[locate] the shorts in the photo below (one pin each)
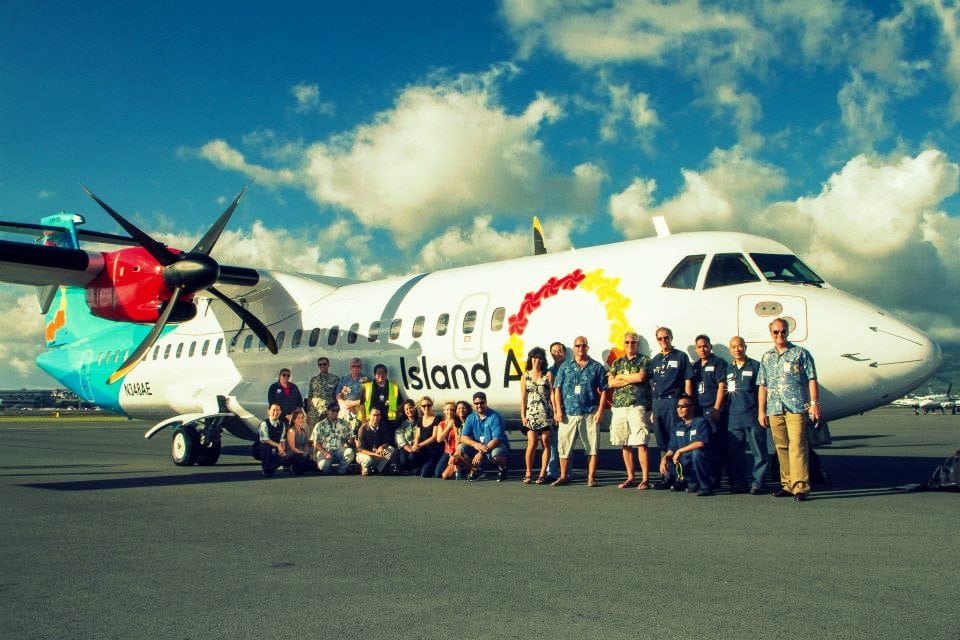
(630, 427)
(586, 427)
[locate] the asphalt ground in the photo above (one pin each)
(104, 538)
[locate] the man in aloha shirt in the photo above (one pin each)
(579, 400)
(788, 392)
(629, 377)
(323, 390)
(333, 440)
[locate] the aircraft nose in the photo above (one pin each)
(904, 356)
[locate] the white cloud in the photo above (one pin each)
(480, 242)
(308, 99)
(222, 155)
(22, 339)
(721, 197)
(863, 109)
(630, 107)
(948, 16)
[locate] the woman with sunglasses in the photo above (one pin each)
(428, 449)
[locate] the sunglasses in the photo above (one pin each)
(663, 338)
(777, 332)
(284, 375)
(425, 406)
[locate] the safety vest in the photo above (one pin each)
(393, 392)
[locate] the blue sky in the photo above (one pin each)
(393, 137)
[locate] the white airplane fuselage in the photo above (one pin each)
(864, 357)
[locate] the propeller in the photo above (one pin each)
(184, 274)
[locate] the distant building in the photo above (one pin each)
(39, 399)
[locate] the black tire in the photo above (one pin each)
(185, 447)
(209, 455)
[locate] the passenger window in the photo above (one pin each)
(279, 339)
(496, 322)
(205, 348)
(374, 331)
(233, 343)
(126, 354)
(727, 269)
(442, 322)
(352, 334)
(247, 343)
(219, 346)
(395, 328)
(333, 335)
(418, 326)
(179, 351)
(262, 345)
(166, 352)
(314, 337)
(297, 337)
(469, 322)
(156, 352)
(684, 275)
(193, 349)
(101, 358)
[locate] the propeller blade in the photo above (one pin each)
(255, 325)
(147, 343)
(205, 246)
(154, 248)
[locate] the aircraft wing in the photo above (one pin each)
(40, 265)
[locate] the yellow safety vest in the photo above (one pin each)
(393, 392)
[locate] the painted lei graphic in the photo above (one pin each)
(605, 289)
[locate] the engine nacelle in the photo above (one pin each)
(131, 289)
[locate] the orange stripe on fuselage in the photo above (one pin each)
(59, 319)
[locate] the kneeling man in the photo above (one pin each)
(688, 448)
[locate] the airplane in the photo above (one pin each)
(930, 402)
(220, 333)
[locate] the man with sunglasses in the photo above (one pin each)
(579, 400)
(285, 393)
(484, 437)
(322, 391)
(689, 448)
(671, 375)
(788, 392)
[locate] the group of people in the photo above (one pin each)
(367, 424)
(703, 415)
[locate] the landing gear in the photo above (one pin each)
(192, 445)
(209, 454)
(185, 447)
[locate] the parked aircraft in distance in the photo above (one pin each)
(153, 332)
(930, 402)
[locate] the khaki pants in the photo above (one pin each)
(790, 438)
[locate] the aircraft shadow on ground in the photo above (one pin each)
(852, 476)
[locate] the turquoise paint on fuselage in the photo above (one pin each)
(72, 358)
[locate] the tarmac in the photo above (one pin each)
(103, 537)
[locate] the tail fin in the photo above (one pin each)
(67, 237)
(538, 247)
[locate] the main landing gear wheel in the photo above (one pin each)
(209, 455)
(185, 448)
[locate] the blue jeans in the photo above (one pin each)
(553, 465)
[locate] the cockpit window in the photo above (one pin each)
(785, 268)
(684, 275)
(727, 269)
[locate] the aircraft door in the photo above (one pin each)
(86, 389)
(755, 312)
(468, 327)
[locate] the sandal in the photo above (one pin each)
(542, 480)
(626, 484)
(526, 479)
(643, 486)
